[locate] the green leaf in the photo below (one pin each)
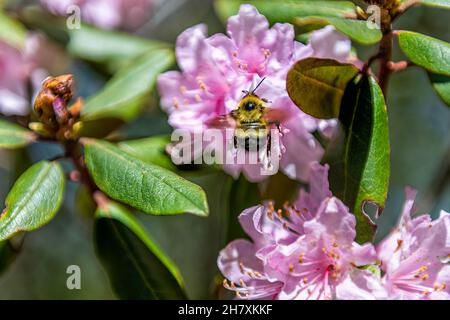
(33, 200)
(357, 30)
(125, 94)
(137, 268)
(144, 186)
(151, 150)
(13, 136)
(317, 85)
(108, 47)
(444, 4)
(441, 85)
(286, 10)
(427, 52)
(359, 165)
(12, 31)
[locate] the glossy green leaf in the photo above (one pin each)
(12, 31)
(441, 85)
(357, 30)
(151, 150)
(317, 85)
(136, 266)
(125, 94)
(13, 136)
(286, 10)
(142, 185)
(359, 159)
(33, 200)
(108, 47)
(427, 52)
(444, 4)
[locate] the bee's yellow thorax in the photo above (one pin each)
(250, 112)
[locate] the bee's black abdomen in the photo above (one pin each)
(250, 143)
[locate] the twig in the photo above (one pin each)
(399, 66)
(73, 152)
(386, 54)
(369, 62)
(101, 199)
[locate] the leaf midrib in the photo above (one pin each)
(321, 82)
(136, 165)
(347, 146)
(22, 203)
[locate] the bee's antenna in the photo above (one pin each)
(253, 91)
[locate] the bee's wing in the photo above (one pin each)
(277, 115)
(221, 122)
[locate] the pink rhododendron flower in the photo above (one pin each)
(106, 14)
(415, 255)
(13, 77)
(215, 70)
(304, 252)
(21, 68)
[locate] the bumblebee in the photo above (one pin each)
(252, 121)
(252, 126)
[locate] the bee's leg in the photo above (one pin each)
(269, 148)
(277, 124)
(235, 142)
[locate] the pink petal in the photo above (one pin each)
(191, 48)
(236, 252)
(329, 43)
(319, 189)
(360, 285)
(363, 254)
(248, 27)
(334, 219)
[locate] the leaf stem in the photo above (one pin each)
(81, 173)
(73, 152)
(399, 66)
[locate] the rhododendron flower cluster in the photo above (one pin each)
(307, 251)
(12, 81)
(215, 70)
(415, 255)
(107, 14)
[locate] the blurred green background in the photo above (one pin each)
(420, 144)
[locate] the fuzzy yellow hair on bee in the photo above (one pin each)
(250, 117)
